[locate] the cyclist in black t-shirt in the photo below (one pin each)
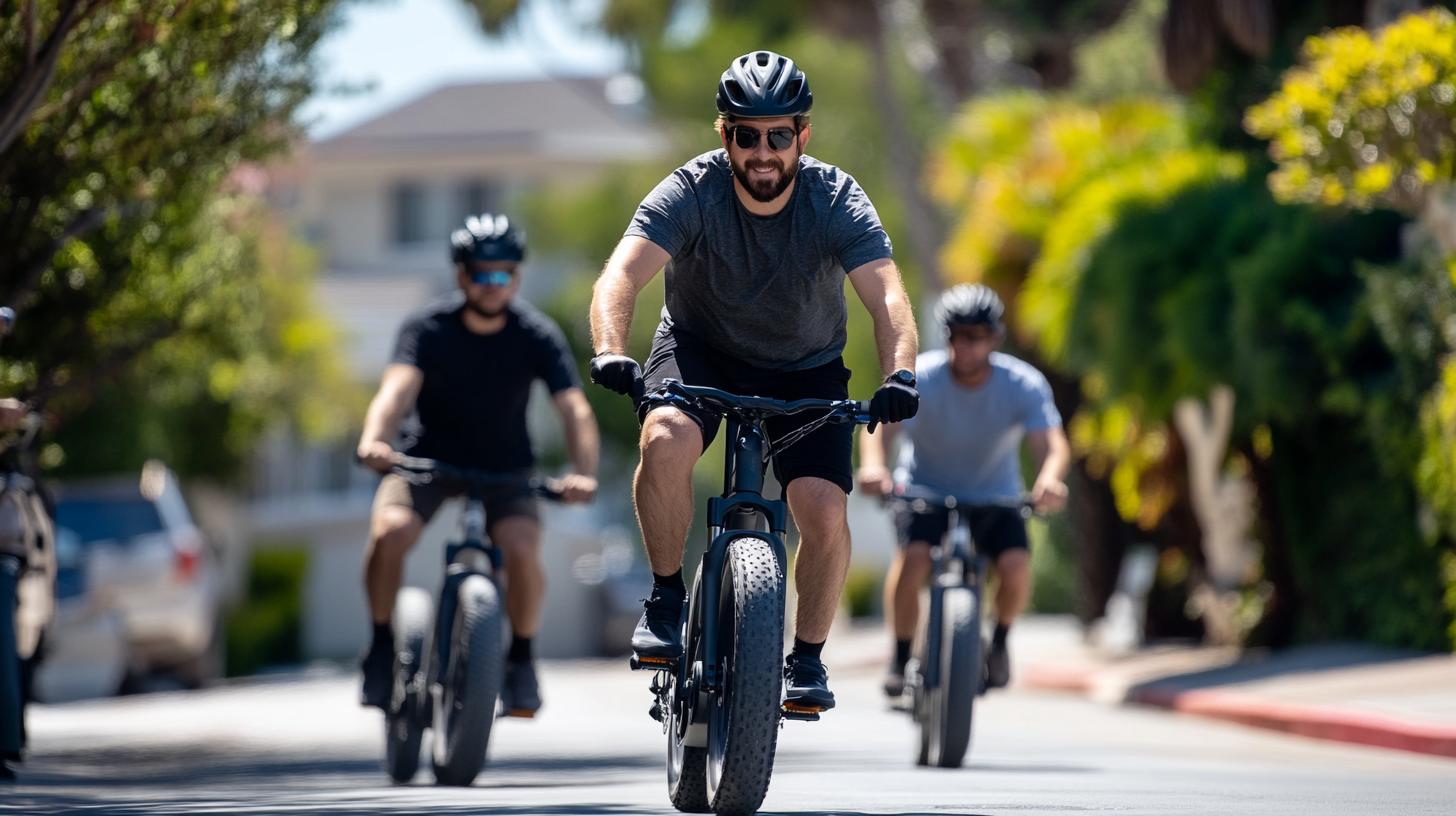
(466, 368)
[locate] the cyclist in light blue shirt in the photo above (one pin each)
(977, 405)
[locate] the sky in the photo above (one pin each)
(400, 49)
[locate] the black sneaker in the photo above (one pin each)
(658, 638)
(998, 666)
(378, 666)
(806, 684)
(894, 685)
(520, 693)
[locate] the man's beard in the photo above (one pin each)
(482, 311)
(766, 190)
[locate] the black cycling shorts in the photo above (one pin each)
(425, 499)
(995, 529)
(825, 453)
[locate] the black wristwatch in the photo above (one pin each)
(903, 376)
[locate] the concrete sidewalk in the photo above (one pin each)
(1352, 693)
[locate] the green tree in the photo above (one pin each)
(1369, 119)
(119, 121)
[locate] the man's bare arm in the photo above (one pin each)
(634, 262)
(880, 288)
(398, 389)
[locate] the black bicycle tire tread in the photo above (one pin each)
(962, 649)
(758, 586)
(465, 750)
(691, 793)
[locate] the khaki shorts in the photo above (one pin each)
(425, 499)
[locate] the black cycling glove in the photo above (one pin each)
(617, 372)
(893, 402)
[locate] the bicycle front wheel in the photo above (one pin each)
(743, 718)
(947, 715)
(465, 706)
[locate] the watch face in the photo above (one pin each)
(903, 377)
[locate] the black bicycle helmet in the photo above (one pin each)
(763, 84)
(487, 237)
(969, 304)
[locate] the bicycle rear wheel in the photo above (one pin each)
(687, 765)
(403, 723)
(464, 710)
(743, 718)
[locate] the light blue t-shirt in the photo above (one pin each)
(965, 442)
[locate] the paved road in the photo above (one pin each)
(295, 745)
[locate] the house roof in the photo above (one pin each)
(528, 116)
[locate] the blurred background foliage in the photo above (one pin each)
(1170, 194)
(1090, 161)
(132, 257)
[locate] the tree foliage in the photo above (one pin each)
(251, 353)
(1366, 119)
(119, 121)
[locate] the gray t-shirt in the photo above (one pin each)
(767, 290)
(966, 442)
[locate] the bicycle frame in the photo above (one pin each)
(473, 554)
(957, 548)
(730, 516)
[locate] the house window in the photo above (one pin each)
(476, 196)
(407, 212)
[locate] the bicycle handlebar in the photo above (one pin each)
(419, 470)
(856, 411)
(1024, 506)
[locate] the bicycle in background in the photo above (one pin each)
(947, 669)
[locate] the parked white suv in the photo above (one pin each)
(144, 557)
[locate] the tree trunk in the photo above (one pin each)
(923, 225)
(1276, 626)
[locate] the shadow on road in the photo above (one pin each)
(188, 778)
(861, 813)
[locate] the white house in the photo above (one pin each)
(379, 201)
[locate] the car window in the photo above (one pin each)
(101, 519)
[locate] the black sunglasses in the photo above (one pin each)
(747, 138)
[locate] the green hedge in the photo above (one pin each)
(264, 630)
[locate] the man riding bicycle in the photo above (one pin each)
(466, 367)
(757, 239)
(977, 405)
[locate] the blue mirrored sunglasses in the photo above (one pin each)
(495, 277)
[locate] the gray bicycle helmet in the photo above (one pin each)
(970, 304)
(763, 84)
(487, 237)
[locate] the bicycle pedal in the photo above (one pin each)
(794, 711)
(651, 663)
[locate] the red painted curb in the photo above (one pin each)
(1057, 678)
(1307, 721)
